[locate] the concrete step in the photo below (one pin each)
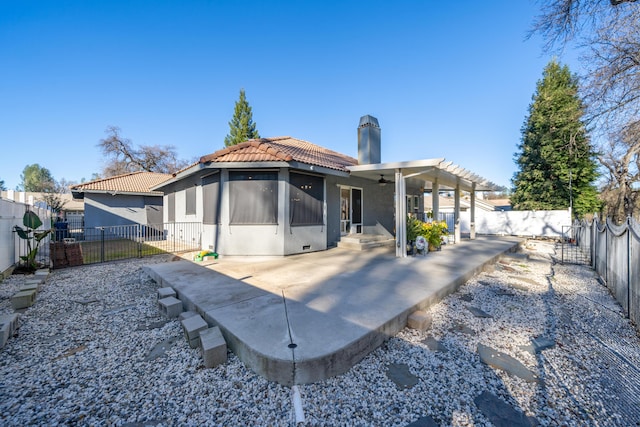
(363, 242)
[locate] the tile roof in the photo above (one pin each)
(134, 182)
(281, 149)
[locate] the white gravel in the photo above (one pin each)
(79, 358)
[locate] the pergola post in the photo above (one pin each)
(401, 215)
(435, 199)
(456, 213)
(472, 219)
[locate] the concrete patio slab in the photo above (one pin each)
(305, 318)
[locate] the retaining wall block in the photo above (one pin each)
(192, 327)
(214, 347)
(8, 327)
(170, 307)
(166, 292)
(420, 320)
(23, 299)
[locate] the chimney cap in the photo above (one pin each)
(368, 120)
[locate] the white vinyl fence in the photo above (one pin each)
(11, 214)
(517, 223)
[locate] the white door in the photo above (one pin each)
(350, 211)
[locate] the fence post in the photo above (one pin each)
(140, 241)
(101, 244)
(629, 266)
(606, 252)
(594, 243)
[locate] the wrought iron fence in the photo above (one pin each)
(575, 245)
(78, 246)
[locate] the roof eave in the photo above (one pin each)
(318, 169)
(81, 193)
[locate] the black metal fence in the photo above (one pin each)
(448, 217)
(575, 245)
(79, 245)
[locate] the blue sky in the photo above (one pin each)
(444, 79)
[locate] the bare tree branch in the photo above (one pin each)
(122, 157)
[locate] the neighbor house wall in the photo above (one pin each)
(107, 210)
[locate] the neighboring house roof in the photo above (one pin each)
(282, 149)
(129, 183)
(449, 203)
(500, 204)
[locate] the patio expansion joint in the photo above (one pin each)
(292, 345)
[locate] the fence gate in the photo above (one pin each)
(576, 245)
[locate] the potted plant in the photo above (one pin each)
(414, 229)
(31, 221)
(433, 232)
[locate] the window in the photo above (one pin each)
(190, 195)
(171, 207)
(211, 199)
(253, 197)
(306, 199)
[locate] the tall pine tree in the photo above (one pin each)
(241, 126)
(556, 159)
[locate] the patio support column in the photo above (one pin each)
(472, 219)
(456, 214)
(435, 199)
(401, 215)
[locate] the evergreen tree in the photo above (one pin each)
(241, 126)
(556, 159)
(38, 179)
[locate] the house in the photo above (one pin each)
(447, 203)
(121, 200)
(501, 204)
(283, 196)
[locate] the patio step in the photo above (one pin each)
(362, 242)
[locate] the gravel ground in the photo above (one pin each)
(82, 356)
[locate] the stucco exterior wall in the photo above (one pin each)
(210, 237)
(282, 238)
(180, 200)
(226, 239)
(378, 206)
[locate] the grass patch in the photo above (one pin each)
(110, 250)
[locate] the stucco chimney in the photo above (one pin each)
(368, 141)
